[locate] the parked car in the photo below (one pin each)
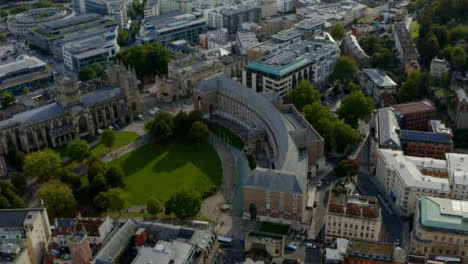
(154, 111)
(141, 117)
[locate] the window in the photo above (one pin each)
(281, 202)
(268, 200)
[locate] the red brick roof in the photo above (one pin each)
(353, 209)
(335, 208)
(414, 107)
(369, 212)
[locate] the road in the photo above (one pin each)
(394, 228)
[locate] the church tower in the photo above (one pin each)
(67, 90)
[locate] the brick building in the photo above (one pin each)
(415, 115)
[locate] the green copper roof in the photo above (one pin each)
(433, 216)
(278, 70)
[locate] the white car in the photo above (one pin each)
(141, 117)
(154, 111)
(319, 184)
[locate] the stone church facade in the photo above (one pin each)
(74, 115)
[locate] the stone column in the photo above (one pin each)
(36, 141)
(13, 139)
(44, 136)
(111, 110)
(103, 113)
(24, 142)
(4, 144)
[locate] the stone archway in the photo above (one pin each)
(83, 125)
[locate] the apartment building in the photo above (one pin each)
(283, 69)
(440, 228)
(27, 228)
(231, 17)
(404, 179)
(407, 52)
(353, 217)
(112, 9)
(439, 67)
(376, 84)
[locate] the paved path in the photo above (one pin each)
(114, 154)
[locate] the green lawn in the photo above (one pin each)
(122, 138)
(160, 170)
(414, 30)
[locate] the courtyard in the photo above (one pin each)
(158, 171)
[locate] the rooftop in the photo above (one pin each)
(444, 215)
(424, 136)
(22, 63)
(387, 128)
(379, 77)
(17, 217)
(414, 107)
(371, 250)
(175, 252)
(294, 56)
(407, 169)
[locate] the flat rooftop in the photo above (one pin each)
(414, 107)
(370, 250)
(26, 62)
(444, 215)
(379, 77)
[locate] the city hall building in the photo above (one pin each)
(288, 150)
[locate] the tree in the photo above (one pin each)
(115, 176)
(344, 135)
(97, 68)
(86, 74)
(16, 158)
(10, 193)
(303, 94)
(112, 200)
(337, 31)
(415, 87)
(3, 37)
(429, 47)
(107, 138)
(78, 150)
(148, 60)
(19, 181)
(4, 203)
(98, 184)
(184, 204)
(458, 58)
(346, 169)
(95, 167)
(382, 59)
(442, 35)
(345, 68)
(7, 99)
(154, 206)
(42, 164)
(124, 37)
(354, 107)
(58, 199)
(371, 44)
(182, 124)
(195, 115)
(253, 211)
(161, 128)
(199, 131)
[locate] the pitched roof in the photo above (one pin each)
(273, 180)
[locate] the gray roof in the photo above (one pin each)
(274, 180)
(54, 110)
(12, 218)
(25, 63)
(387, 126)
(117, 242)
(379, 77)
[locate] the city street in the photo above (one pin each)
(394, 228)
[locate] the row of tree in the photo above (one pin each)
(337, 134)
(91, 72)
(148, 60)
(165, 126)
(442, 29)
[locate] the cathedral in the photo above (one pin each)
(74, 115)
